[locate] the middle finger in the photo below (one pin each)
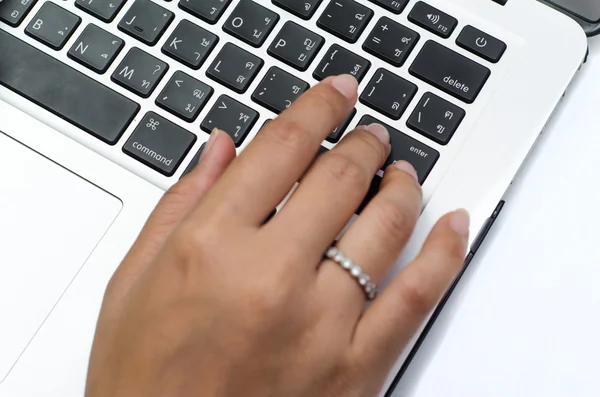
(332, 190)
(270, 166)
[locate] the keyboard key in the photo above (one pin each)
(436, 118)
(146, 21)
(450, 72)
(391, 41)
(208, 10)
(296, 46)
(482, 44)
(139, 72)
(184, 96)
(194, 162)
(432, 19)
(190, 44)
(12, 12)
(395, 6)
(421, 156)
(337, 134)
(251, 22)
(52, 25)
(232, 117)
(339, 60)
(105, 10)
(96, 48)
(235, 68)
(62, 90)
(388, 94)
(279, 90)
(159, 144)
(346, 19)
(303, 9)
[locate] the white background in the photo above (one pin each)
(526, 319)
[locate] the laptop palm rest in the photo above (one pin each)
(50, 222)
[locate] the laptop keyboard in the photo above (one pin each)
(260, 59)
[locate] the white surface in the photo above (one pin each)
(55, 361)
(526, 319)
(46, 235)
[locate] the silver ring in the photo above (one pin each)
(363, 280)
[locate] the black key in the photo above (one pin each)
(139, 72)
(373, 190)
(251, 22)
(337, 134)
(395, 6)
(346, 19)
(479, 43)
(296, 46)
(194, 162)
(208, 10)
(391, 41)
(105, 10)
(388, 94)
(232, 117)
(96, 48)
(432, 19)
(304, 9)
(278, 90)
(159, 143)
(146, 21)
(12, 12)
(450, 72)
(52, 25)
(235, 68)
(436, 118)
(190, 44)
(339, 60)
(421, 156)
(62, 90)
(184, 96)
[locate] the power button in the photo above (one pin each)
(481, 44)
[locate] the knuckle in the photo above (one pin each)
(419, 298)
(371, 143)
(289, 134)
(329, 99)
(344, 171)
(393, 219)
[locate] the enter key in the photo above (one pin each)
(421, 156)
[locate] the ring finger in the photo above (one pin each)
(376, 238)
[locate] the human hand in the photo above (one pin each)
(211, 301)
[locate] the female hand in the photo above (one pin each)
(213, 302)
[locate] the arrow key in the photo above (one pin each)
(232, 117)
(184, 96)
(96, 48)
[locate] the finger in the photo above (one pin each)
(376, 238)
(392, 320)
(332, 190)
(270, 166)
(177, 202)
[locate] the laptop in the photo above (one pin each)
(105, 104)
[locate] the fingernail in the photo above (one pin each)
(378, 130)
(210, 142)
(459, 222)
(346, 85)
(408, 168)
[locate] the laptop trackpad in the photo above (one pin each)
(50, 222)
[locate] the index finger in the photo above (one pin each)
(270, 166)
